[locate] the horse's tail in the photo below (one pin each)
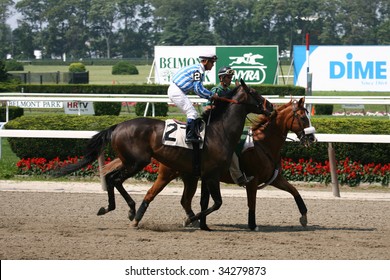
(94, 148)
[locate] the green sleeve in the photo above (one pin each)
(217, 90)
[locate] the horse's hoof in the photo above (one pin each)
(194, 224)
(205, 227)
(186, 222)
(101, 211)
(189, 222)
(135, 224)
(131, 215)
(303, 221)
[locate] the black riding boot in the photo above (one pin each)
(191, 136)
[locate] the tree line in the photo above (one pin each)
(131, 28)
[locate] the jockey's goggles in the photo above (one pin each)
(227, 72)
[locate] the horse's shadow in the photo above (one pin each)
(297, 228)
(244, 228)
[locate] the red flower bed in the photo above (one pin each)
(348, 172)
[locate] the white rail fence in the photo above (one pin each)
(151, 99)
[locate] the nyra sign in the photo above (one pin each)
(346, 68)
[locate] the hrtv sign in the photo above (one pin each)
(346, 68)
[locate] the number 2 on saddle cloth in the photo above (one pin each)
(175, 134)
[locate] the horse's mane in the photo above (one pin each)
(261, 123)
(219, 107)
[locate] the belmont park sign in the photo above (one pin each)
(254, 64)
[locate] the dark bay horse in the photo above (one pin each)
(262, 161)
(136, 141)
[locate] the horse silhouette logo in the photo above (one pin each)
(248, 68)
(247, 58)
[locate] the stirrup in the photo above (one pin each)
(193, 140)
(243, 180)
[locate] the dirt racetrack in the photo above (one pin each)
(49, 220)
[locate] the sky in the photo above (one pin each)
(12, 21)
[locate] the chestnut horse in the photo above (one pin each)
(138, 140)
(262, 160)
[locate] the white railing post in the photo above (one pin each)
(333, 170)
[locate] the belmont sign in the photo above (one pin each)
(36, 104)
(254, 64)
(347, 68)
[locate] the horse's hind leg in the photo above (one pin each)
(165, 175)
(281, 183)
(111, 199)
(115, 179)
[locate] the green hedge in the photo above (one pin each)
(281, 90)
(160, 109)
(51, 148)
(124, 68)
(135, 61)
(107, 108)
(9, 87)
(13, 65)
(77, 67)
(365, 153)
(13, 113)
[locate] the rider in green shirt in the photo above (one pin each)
(225, 75)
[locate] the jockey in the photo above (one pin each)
(191, 78)
(225, 75)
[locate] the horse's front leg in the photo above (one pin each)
(251, 192)
(215, 192)
(190, 186)
(204, 204)
(282, 184)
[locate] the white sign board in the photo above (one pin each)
(79, 108)
(343, 68)
(36, 104)
(169, 59)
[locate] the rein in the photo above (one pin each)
(223, 99)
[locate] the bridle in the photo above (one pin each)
(305, 133)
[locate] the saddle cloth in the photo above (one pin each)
(175, 134)
(246, 141)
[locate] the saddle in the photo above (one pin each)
(175, 133)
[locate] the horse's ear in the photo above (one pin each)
(301, 102)
(242, 82)
(237, 83)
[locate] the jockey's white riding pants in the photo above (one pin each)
(182, 101)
